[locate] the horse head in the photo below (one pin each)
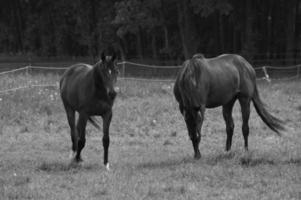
(108, 71)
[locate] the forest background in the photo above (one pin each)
(152, 30)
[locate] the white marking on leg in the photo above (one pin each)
(108, 166)
(72, 154)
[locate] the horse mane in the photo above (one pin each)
(98, 63)
(96, 73)
(189, 79)
(195, 66)
(198, 55)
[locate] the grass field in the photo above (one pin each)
(151, 155)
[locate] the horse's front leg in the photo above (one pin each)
(199, 122)
(107, 117)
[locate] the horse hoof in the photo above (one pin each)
(228, 148)
(108, 167)
(76, 160)
(197, 156)
(79, 160)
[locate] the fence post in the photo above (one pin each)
(27, 71)
(27, 75)
(123, 69)
(122, 76)
(267, 77)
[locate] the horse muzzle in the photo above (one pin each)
(112, 94)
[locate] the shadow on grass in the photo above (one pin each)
(166, 164)
(214, 160)
(245, 161)
(296, 161)
(63, 167)
(209, 160)
(253, 162)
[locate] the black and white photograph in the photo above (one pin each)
(150, 99)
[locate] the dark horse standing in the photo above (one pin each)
(89, 90)
(208, 83)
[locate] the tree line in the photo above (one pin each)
(152, 29)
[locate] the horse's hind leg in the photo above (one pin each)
(71, 121)
(245, 110)
(227, 114)
(81, 128)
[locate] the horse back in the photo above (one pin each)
(232, 65)
(214, 81)
(233, 62)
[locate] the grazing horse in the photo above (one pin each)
(89, 90)
(208, 83)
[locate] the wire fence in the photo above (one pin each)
(130, 71)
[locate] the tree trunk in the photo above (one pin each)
(139, 44)
(122, 48)
(221, 32)
(298, 33)
(234, 39)
(52, 45)
(248, 43)
(18, 25)
(166, 47)
(269, 30)
(165, 37)
(94, 38)
(188, 29)
(290, 30)
(154, 47)
(232, 32)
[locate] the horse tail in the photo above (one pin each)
(93, 121)
(271, 121)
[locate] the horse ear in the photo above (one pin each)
(103, 57)
(113, 57)
(197, 108)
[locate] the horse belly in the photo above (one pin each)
(222, 93)
(97, 107)
(219, 100)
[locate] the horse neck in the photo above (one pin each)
(192, 72)
(98, 81)
(192, 67)
(198, 66)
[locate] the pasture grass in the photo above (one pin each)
(151, 155)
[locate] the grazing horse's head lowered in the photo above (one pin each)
(208, 83)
